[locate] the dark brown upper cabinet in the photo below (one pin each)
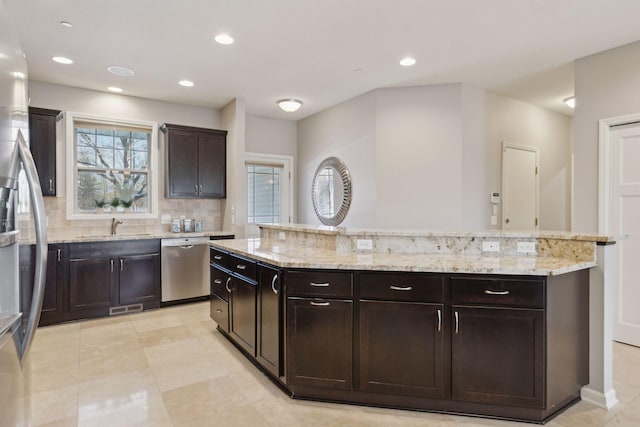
(196, 162)
(42, 136)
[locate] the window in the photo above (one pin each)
(263, 194)
(113, 167)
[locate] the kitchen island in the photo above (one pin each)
(415, 320)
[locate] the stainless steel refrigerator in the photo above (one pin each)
(17, 171)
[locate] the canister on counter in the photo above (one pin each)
(197, 225)
(175, 225)
(188, 225)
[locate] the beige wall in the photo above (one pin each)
(428, 157)
(607, 85)
(271, 136)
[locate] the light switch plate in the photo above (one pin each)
(526, 247)
(166, 219)
(364, 244)
(282, 235)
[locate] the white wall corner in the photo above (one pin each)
(603, 400)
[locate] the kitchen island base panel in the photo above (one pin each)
(378, 400)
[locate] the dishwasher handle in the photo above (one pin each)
(186, 246)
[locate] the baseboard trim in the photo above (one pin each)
(604, 400)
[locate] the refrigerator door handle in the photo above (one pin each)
(37, 205)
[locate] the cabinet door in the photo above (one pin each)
(269, 315)
(182, 161)
(497, 356)
(401, 348)
(139, 279)
(53, 309)
(219, 312)
(319, 342)
(212, 161)
(242, 301)
(90, 284)
(42, 140)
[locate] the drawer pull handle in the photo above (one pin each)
(490, 292)
(218, 310)
(323, 304)
(217, 257)
(319, 285)
(241, 267)
(121, 264)
(217, 282)
(226, 285)
(111, 263)
(273, 284)
(455, 315)
(59, 254)
(400, 288)
(439, 320)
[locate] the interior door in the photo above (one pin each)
(625, 219)
(519, 187)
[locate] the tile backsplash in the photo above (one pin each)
(209, 210)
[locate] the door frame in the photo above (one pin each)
(271, 159)
(604, 168)
(536, 151)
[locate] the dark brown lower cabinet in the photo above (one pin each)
(242, 313)
(320, 342)
(498, 356)
(401, 348)
(90, 285)
(139, 279)
(53, 302)
(268, 322)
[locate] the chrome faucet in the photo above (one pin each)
(114, 226)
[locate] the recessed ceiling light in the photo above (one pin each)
(62, 60)
(66, 24)
(289, 105)
(18, 74)
(185, 83)
(114, 89)
(407, 62)
(570, 101)
(223, 38)
(120, 71)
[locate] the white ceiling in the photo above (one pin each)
(311, 49)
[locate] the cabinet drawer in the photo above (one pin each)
(218, 283)
(243, 266)
(507, 292)
(402, 287)
(319, 284)
(218, 257)
(219, 312)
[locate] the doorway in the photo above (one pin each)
(268, 191)
(623, 156)
(519, 187)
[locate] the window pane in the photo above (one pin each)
(105, 141)
(263, 194)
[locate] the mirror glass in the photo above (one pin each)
(331, 191)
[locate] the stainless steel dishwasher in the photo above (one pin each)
(185, 268)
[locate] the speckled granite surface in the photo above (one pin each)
(69, 237)
(289, 255)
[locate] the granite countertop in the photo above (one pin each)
(70, 238)
(296, 256)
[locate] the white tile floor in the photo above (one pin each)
(169, 367)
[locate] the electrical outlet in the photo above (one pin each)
(526, 247)
(282, 235)
(166, 219)
(490, 246)
(364, 244)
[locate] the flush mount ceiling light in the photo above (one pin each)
(407, 62)
(223, 38)
(62, 60)
(185, 83)
(120, 71)
(66, 24)
(289, 105)
(115, 89)
(570, 101)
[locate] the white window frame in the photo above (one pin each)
(72, 169)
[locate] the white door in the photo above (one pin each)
(268, 191)
(519, 187)
(625, 219)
